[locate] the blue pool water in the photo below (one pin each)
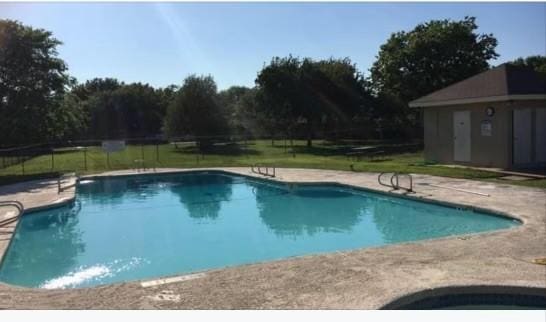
(139, 227)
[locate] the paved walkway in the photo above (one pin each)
(366, 279)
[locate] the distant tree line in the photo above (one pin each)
(292, 98)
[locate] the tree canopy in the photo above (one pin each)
(537, 62)
(195, 111)
(414, 63)
(433, 55)
(128, 111)
(293, 97)
(305, 96)
(33, 81)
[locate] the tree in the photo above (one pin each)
(166, 96)
(246, 117)
(307, 97)
(73, 117)
(128, 111)
(230, 101)
(537, 63)
(33, 82)
(96, 85)
(346, 97)
(278, 95)
(431, 56)
(195, 111)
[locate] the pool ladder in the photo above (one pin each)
(12, 203)
(394, 181)
(258, 169)
(61, 180)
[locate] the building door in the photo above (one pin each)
(540, 135)
(461, 136)
(522, 136)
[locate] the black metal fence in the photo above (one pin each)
(90, 155)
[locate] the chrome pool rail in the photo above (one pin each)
(61, 179)
(12, 203)
(395, 182)
(258, 169)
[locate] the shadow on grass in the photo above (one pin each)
(318, 150)
(379, 160)
(344, 148)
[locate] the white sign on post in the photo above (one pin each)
(113, 146)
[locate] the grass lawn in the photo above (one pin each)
(322, 155)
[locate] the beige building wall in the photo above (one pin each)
(490, 151)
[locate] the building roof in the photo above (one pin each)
(502, 83)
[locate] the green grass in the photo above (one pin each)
(321, 156)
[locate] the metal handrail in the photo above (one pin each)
(12, 203)
(383, 184)
(266, 173)
(410, 189)
(61, 178)
(395, 182)
(394, 185)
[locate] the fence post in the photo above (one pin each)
(52, 159)
(157, 151)
(23, 165)
(85, 158)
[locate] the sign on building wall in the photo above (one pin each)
(486, 128)
(113, 146)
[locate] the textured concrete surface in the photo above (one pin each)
(33, 195)
(365, 279)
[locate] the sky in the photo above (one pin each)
(162, 43)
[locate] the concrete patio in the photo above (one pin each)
(361, 279)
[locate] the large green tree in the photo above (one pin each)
(537, 63)
(346, 99)
(278, 95)
(196, 112)
(307, 97)
(96, 85)
(431, 56)
(128, 111)
(33, 83)
(231, 102)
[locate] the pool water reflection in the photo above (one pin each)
(138, 227)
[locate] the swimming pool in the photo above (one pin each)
(138, 227)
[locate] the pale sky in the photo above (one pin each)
(162, 43)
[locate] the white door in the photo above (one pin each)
(461, 136)
(522, 136)
(540, 135)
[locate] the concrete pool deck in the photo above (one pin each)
(367, 278)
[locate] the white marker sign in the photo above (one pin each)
(113, 146)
